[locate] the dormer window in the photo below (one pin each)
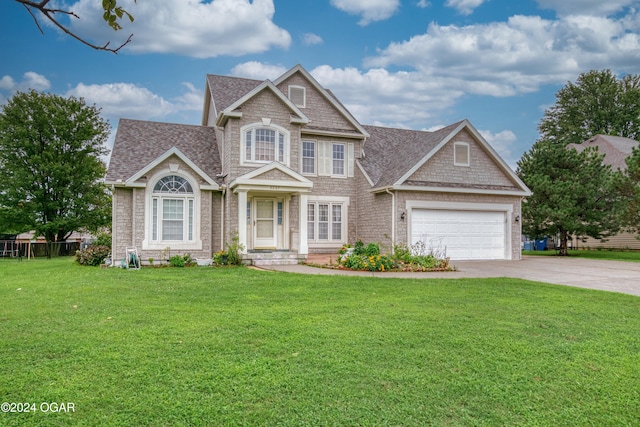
(298, 95)
(265, 144)
(461, 155)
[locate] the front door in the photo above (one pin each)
(264, 226)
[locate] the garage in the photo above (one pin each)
(465, 234)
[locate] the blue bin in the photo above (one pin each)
(541, 244)
(529, 245)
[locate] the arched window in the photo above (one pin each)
(173, 184)
(172, 206)
(265, 144)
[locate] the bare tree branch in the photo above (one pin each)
(50, 13)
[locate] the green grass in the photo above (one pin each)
(235, 346)
(605, 254)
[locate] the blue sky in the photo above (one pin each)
(414, 64)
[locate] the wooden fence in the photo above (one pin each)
(16, 249)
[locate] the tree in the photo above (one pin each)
(112, 14)
(572, 193)
(628, 185)
(50, 166)
(598, 103)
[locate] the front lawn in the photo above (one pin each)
(235, 346)
(605, 254)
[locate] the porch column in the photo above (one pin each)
(304, 245)
(242, 220)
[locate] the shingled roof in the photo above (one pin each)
(390, 153)
(139, 143)
(615, 149)
(226, 90)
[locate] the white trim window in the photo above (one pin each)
(335, 159)
(172, 210)
(309, 158)
(461, 155)
(326, 222)
(265, 144)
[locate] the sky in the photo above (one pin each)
(417, 64)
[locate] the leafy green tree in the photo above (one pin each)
(597, 103)
(572, 193)
(628, 185)
(575, 193)
(50, 166)
(112, 15)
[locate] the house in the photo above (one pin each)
(286, 169)
(616, 149)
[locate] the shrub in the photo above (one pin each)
(103, 239)
(92, 255)
(234, 251)
(181, 261)
(176, 261)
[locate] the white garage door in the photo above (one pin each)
(464, 234)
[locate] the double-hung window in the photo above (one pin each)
(328, 158)
(172, 210)
(264, 145)
(337, 157)
(325, 222)
(309, 157)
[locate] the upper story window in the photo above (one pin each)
(265, 144)
(461, 156)
(298, 95)
(327, 158)
(309, 157)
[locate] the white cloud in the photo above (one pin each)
(7, 83)
(423, 4)
(192, 100)
(503, 142)
(30, 80)
(124, 100)
(587, 7)
(517, 56)
(309, 39)
(192, 28)
(465, 7)
(384, 98)
(369, 10)
(258, 71)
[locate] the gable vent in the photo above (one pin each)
(297, 95)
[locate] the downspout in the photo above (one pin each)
(224, 192)
(113, 223)
(393, 217)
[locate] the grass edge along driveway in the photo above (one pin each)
(234, 346)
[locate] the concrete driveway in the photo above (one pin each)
(614, 276)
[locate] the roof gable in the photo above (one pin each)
(395, 158)
(272, 175)
(326, 96)
(616, 149)
(139, 144)
(174, 151)
(233, 110)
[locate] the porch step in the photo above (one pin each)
(272, 258)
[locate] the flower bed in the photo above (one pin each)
(413, 258)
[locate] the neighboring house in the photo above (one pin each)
(616, 149)
(284, 167)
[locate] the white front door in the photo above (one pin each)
(264, 226)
